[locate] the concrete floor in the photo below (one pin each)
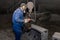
(7, 34)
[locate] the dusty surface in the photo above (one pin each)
(6, 34)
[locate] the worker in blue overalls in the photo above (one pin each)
(18, 21)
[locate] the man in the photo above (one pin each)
(18, 20)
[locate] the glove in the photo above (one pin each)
(27, 20)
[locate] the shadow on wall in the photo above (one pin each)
(5, 21)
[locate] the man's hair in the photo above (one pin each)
(23, 4)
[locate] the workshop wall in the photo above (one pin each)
(7, 4)
(48, 5)
(42, 5)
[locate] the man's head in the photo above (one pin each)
(23, 6)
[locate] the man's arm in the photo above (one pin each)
(17, 17)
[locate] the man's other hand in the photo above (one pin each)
(27, 20)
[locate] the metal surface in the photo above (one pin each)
(33, 35)
(56, 36)
(43, 31)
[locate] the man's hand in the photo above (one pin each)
(27, 20)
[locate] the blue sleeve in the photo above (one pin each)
(19, 17)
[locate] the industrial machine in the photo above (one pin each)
(30, 6)
(34, 32)
(30, 15)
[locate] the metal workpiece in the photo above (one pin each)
(56, 36)
(41, 30)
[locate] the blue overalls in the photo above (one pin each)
(17, 20)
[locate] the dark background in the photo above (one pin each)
(7, 8)
(43, 5)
